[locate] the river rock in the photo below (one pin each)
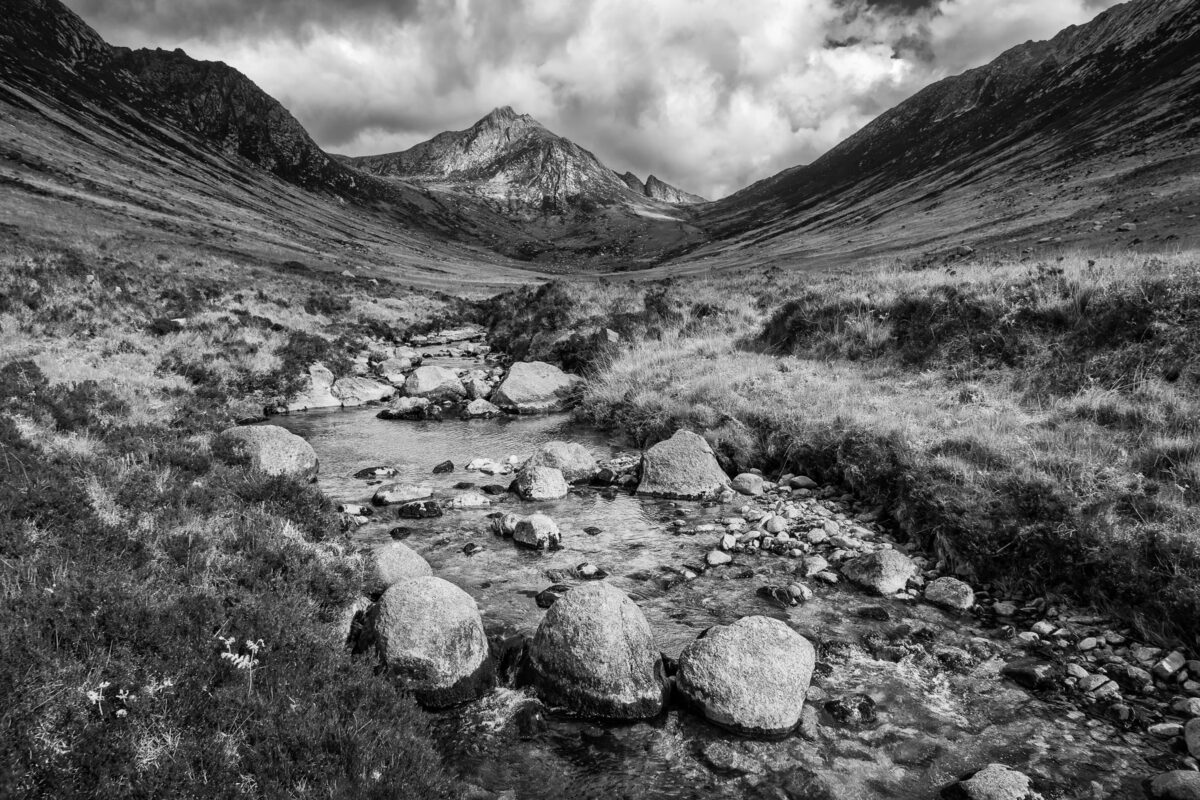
(469, 500)
(506, 525)
(573, 460)
(750, 677)
(883, 572)
(355, 391)
(1180, 784)
(541, 483)
(419, 509)
(535, 387)
(950, 593)
(476, 384)
(396, 561)
(993, 782)
(537, 531)
(429, 634)
(1191, 736)
(594, 654)
(410, 408)
(271, 449)
(748, 484)
(394, 370)
(436, 384)
(481, 409)
(682, 467)
(392, 493)
(318, 391)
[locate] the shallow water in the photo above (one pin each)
(933, 723)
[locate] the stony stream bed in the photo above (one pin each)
(907, 696)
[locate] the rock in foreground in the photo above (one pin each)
(993, 782)
(535, 387)
(395, 562)
(272, 450)
(594, 654)
(429, 635)
(750, 677)
(1180, 784)
(683, 467)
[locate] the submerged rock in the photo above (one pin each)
(535, 387)
(682, 467)
(429, 635)
(594, 654)
(541, 483)
(750, 677)
(883, 572)
(573, 460)
(271, 449)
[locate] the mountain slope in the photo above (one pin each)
(513, 159)
(1048, 139)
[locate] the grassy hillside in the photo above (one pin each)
(172, 619)
(1034, 424)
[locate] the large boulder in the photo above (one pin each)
(993, 782)
(1180, 784)
(317, 393)
(271, 449)
(883, 572)
(414, 408)
(396, 561)
(750, 677)
(436, 384)
(541, 483)
(594, 654)
(428, 633)
(573, 460)
(356, 391)
(682, 467)
(535, 387)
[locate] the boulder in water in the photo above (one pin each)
(573, 460)
(356, 391)
(541, 483)
(537, 531)
(413, 408)
(993, 782)
(682, 467)
(271, 449)
(429, 635)
(480, 409)
(750, 677)
(594, 654)
(883, 572)
(535, 387)
(436, 384)
(419, 509)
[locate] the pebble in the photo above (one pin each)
(1090, 643)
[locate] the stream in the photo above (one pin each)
(934, 719)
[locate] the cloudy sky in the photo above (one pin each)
(709, 95)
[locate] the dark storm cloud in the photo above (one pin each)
(706, 94)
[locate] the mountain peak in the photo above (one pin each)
(504, 117)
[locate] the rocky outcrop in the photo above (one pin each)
(429, 636)
(666, 193)
(541, 483)
(535, 387)
(573, 460)
(272, 450)
(682, 467)
(435, 384)
(883, 572)
(594, 655)
(750, 677)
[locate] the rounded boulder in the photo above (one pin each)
(541, 483)
(435, 384)
(396, 561)
(573, 460)
(883, 572)
(683, 467)
(750, 677)
(273, 450)
(429, 635)
(594, 654)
